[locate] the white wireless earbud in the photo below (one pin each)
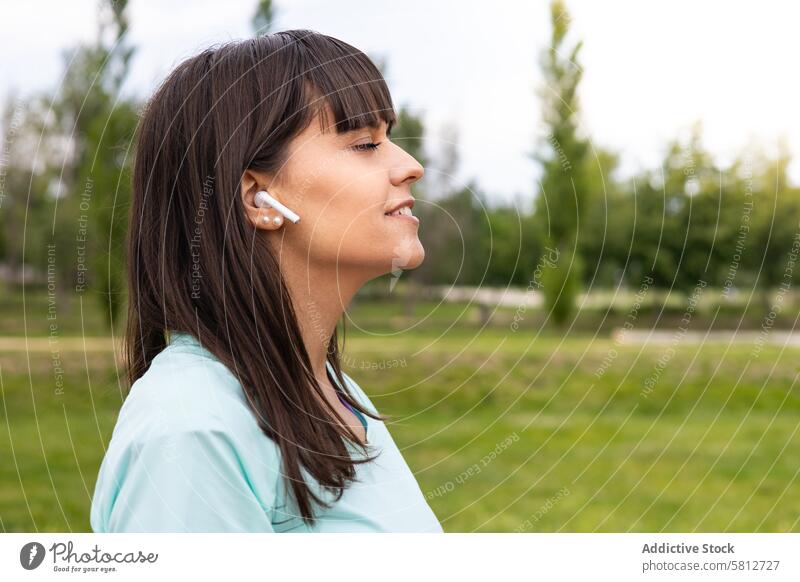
(264, 199)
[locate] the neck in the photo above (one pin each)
(320, 294)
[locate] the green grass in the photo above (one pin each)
(52, 444)
(713, 447)
(32, 313)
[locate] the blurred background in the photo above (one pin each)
(602, 335)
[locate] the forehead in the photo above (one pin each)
(323, 127)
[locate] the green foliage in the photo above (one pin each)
(455, 233)
(510, 247)
(263, 18)
(101, 123)
(561, 283)
(25, 206)
(108, 172)
(68, 180)
(691, 220)
(409, 133)
(564, 185)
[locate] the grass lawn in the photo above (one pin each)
(505, 431)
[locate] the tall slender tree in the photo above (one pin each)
(560, 206)
(263, 17)
(99, 122)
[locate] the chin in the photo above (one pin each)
(419, 259)
(403, 256)
(408, 255)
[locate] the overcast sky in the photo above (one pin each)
(651, 68)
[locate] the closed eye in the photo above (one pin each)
(363, 147)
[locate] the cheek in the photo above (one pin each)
(388, 243)
(353, 213)
(341, 227)
(350, 227)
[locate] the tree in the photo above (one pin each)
(99, 124)
(560, 206)
(776, 224)
(263, 17)
(606, 230)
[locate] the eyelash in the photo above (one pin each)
(364, 147)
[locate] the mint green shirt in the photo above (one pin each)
(187, 455)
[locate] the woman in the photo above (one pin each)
(239, 417)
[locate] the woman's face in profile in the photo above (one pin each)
(342, 185)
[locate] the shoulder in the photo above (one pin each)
(183, 480)
(185, 439)
(183, 392)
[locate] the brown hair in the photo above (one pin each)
(195, 264)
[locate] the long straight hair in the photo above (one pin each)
(195, 263)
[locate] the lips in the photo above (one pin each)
(402, 211)
(403, 208)
(403, 216)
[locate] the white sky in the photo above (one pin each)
(651, 68)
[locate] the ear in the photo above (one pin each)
(259, 217)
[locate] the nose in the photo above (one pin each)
(406, 170)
